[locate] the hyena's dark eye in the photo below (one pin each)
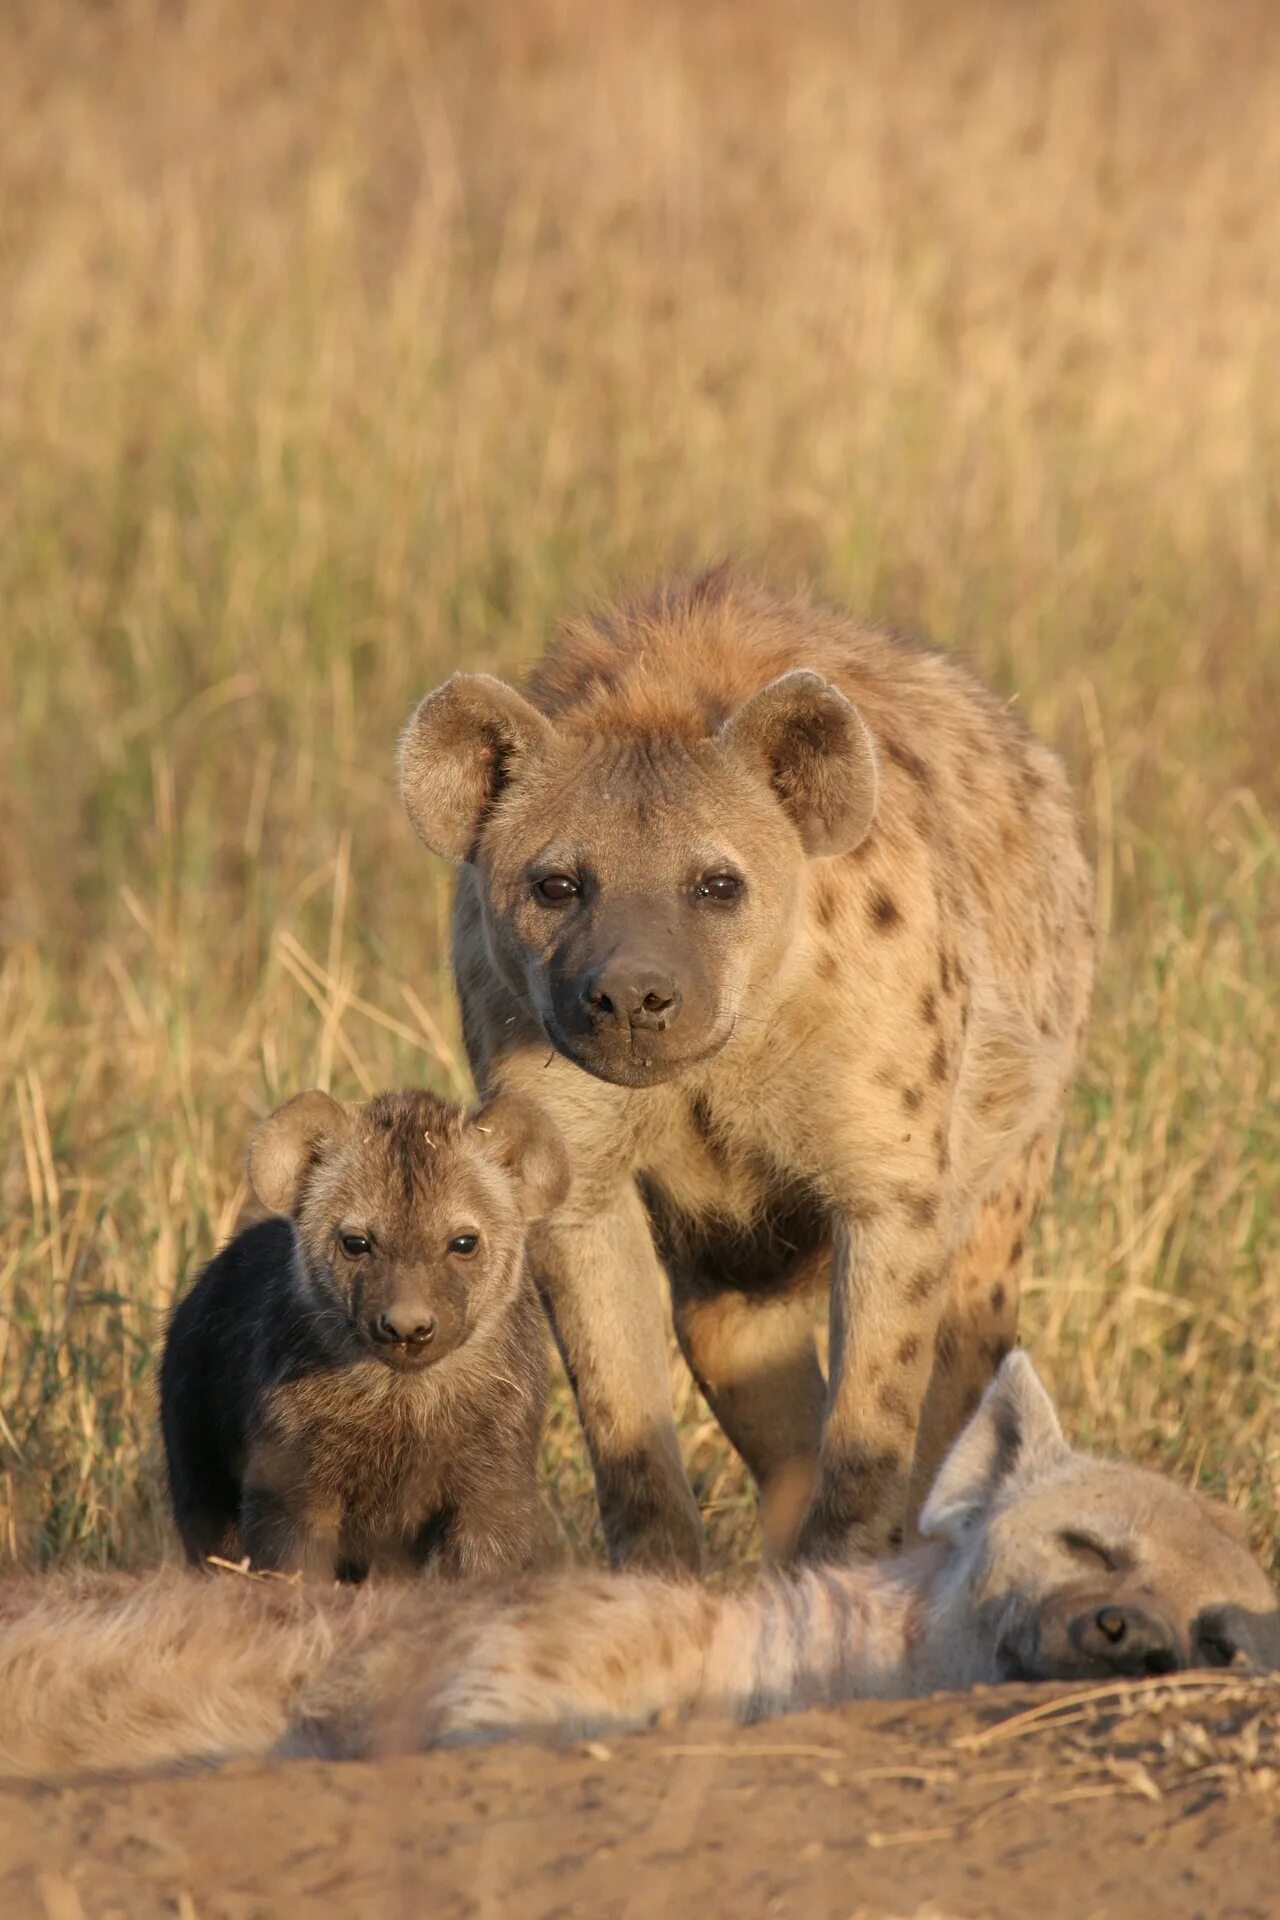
(355, 1245)
(722, 887)
(464, 1243)
(556, 888)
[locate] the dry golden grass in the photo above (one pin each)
(345, 345)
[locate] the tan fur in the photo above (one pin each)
(110, 1673)
(868, 1060)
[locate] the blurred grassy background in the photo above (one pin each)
(342, 346)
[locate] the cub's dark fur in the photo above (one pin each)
(360, 1381)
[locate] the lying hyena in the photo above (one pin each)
(1042, 1564)
(785, 921)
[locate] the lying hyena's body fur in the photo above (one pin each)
(1046, 1564)
(891, 1088)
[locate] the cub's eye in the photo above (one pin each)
(355, 1245)
(464, 1243)
(556, 888)
(724, 887)
(1084, 1547)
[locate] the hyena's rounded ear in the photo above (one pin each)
(531, 1150)
(1228, 1520)
(464, 743)
(1014, 1435)
(812, 745)
(286, 1146)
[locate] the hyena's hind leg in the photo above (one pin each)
(755, 1359)
(980, 1322)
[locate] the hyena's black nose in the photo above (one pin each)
(630, 993)
(1127, 1639)
(405, 1325)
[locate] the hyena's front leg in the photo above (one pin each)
(887, 1291)
(979, 1323)
(598, 1273)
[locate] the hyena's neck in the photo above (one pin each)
(823, 1635)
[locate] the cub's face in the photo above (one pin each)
(638, 891)
(412, 1247)
(411, 1217)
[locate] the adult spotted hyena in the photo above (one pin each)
(786, 922)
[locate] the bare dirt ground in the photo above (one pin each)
(1158, 1802)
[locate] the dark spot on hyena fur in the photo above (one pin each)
(929, 1007)
(998, 1297)
(896, 1537)
(908, 1350)
(938, 1062)
(828, 906)
(893, 1404)
(1016, 1205)
(1015, 1252)
(703, 1124)
(910, 762)
(941, 1148)
(828, 967)
(946, 1347)
(921, 1208)
(859, 1483)
(997, 1353)
(884, 913)
(911, 1099)
(923, 1285)
(944, 970)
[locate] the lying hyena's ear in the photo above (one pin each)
(531, 1150)
(463, 745)
(813, 747)
(1228, 1520)
(1014, 1435)
(285, 1148)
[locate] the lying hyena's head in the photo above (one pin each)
(410, 1215)
(637, 884)
(1063, 1567)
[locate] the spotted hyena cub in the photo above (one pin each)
(360, 1380)
(785, 920)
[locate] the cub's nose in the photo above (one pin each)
(1127, 1639)
(404, 1324)
(631, 993)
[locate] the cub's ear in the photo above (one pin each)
(464, 743)
(286, 1146)
(1014, 1435)
(530, 1148)
(812, 745)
